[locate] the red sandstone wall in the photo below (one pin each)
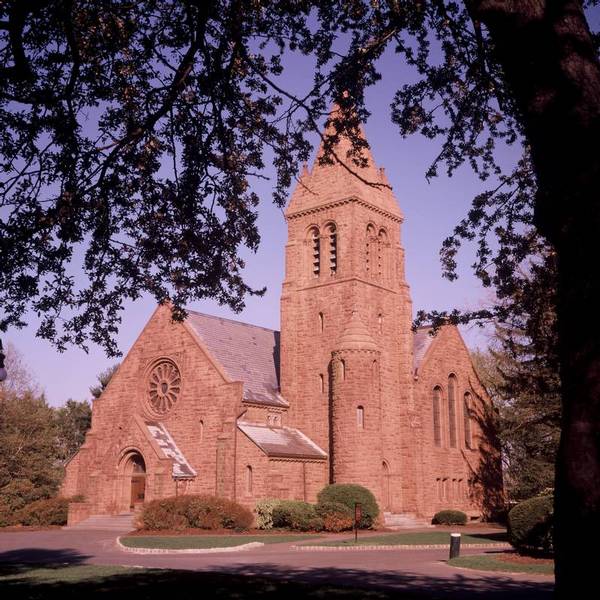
(453, 477)
(205, 397)
(383, 302)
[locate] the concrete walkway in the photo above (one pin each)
(421, 572)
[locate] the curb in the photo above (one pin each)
(242, 547)
(397, 547)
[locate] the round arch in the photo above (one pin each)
(132, 472)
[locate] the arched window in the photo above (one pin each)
(452, 410)
(321, 322)
(342, 370)
(380, 323)
(467, 420)
(370, 250)
(332, 242)
(315, 245)
(360, 417)
(249, 479)
(437, 423)
(321, 383)
(381, 253)
(374, 369)
(201, 430)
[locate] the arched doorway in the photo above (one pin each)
(133, 469)
(387, 501)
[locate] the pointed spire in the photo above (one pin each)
(342, 178)
(356, 336)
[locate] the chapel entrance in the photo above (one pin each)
(137, 468)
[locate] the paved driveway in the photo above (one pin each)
(419, 571)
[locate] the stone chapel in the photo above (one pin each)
(345, 393)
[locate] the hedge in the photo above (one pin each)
(449, 517)
(295, 514)
(530, 524)
(195, 511)
(264, 512)
(41, 513)
(336, 516)
(349, 494)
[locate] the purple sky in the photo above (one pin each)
(431, 210)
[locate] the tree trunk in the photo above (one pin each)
(551, 65)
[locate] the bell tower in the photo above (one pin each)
(344, 256)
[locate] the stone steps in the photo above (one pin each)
(122, 522)
(404, 521)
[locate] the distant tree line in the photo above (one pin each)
(37, 439)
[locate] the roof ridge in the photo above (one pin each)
(201, 314)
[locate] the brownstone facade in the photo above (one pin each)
(347, 392)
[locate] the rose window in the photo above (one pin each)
(164, 384)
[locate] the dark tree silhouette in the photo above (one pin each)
(130, 133)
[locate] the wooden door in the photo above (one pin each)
(138, 488)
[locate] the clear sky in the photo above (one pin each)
(431, 210)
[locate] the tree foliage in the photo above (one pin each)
(29, 465)
(72, 422)
(103, 380)
(520, 370)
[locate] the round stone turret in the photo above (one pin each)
(356, 336)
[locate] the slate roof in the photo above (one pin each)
(421, 343)
(247, 353)
(282, 442)
(181, 467)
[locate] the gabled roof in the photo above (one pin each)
(247, 353)
(422, 340)
(282, 442)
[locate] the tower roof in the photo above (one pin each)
(326, 183)
(356, 336)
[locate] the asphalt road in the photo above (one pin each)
(418, 571)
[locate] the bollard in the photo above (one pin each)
(454, 545)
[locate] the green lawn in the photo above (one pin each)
(491, 563)
(415, 539)
(205, 541)
(91, 582)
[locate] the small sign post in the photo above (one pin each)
(454, 545)
(357, 519)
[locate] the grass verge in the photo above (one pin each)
(91, 582)
(486, 562)
(417, 539)
(203, 542)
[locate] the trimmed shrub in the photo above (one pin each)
(195, 511)
(348, 494)
(530, 524)
(336, 516)
(264, 513)
(449, 517)
(50, 511)
(295, 514)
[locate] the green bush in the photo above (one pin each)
(348, 494)
(530, 524)
(264, 513)
(49, 511)
(336, 516)
(295, 514)
(449, 517)
(195, 511)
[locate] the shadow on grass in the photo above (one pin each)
(23, 560)
(52, 580)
